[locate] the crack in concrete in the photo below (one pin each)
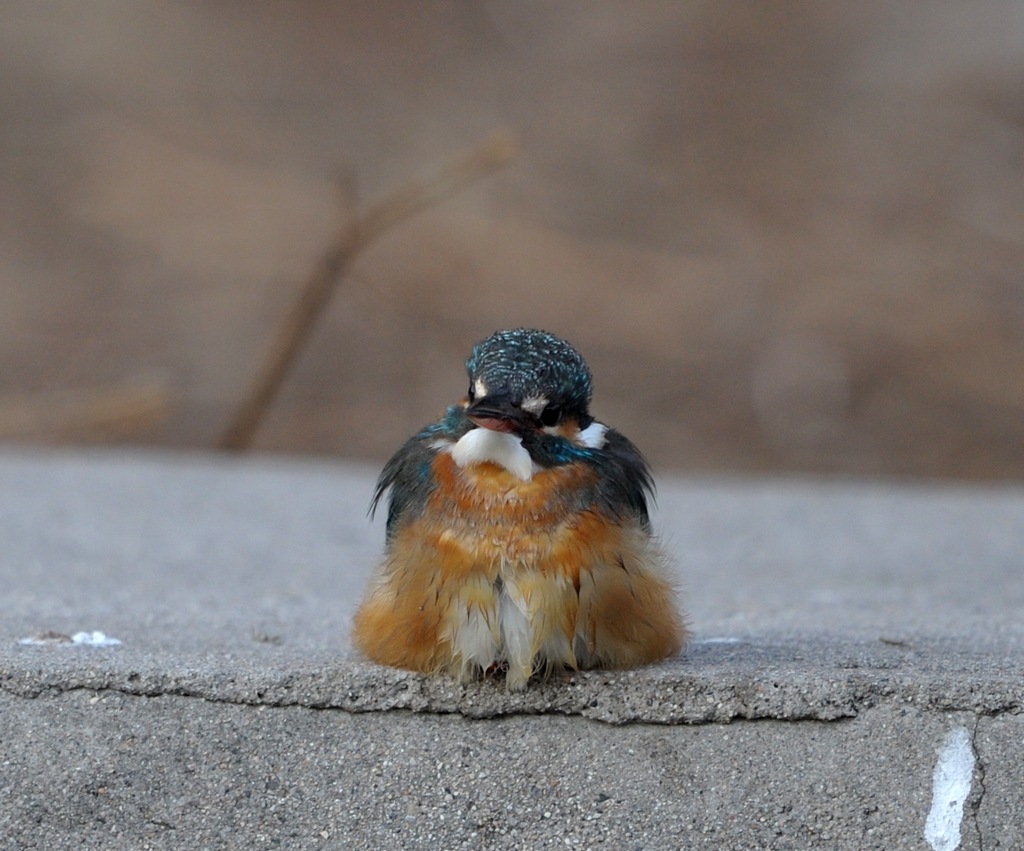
(979, 770)
(427, 706)
(226, 700)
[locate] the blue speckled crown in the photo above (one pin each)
(526, 362)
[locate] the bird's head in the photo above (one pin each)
(526, 380)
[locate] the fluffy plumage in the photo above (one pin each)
(518, 534)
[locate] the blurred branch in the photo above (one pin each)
(415, 196)
(65, 413)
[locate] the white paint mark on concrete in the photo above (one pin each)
(81, 639)
(951, 784)
(95, 639)
(718, 639)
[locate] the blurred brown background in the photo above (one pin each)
(786, 236)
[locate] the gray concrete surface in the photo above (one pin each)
(843, 631)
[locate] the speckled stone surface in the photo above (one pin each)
(856, 623)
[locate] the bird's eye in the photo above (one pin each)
(551, 415)
(470, 394)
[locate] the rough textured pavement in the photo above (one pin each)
(856, 678)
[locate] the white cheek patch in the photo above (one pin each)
(593, 435)
(481, 445)
(534, 404)
(479, 389)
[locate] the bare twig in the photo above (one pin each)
(319, 286)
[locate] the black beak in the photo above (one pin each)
(499, 412)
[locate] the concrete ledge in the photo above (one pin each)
(861, 625)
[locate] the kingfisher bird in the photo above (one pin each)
(518, 537)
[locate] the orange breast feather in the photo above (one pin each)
(498, 571)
